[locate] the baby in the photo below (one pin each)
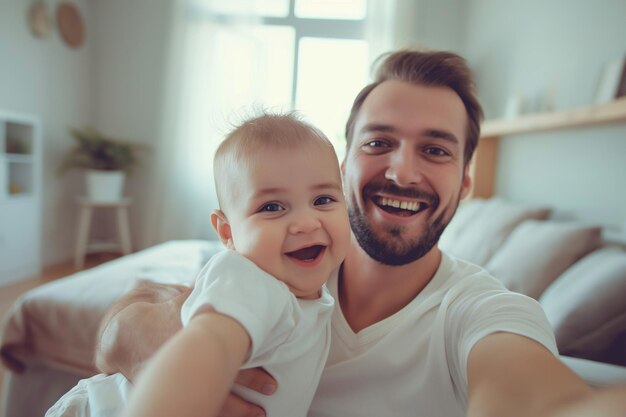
(262, 302)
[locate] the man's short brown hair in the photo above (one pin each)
(428, 68)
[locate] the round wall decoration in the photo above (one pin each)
(70, 25)
(39, 20)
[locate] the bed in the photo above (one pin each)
(49, 335)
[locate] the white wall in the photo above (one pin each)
(531, 47)
(114, 82)
(435, 24)
(131, 56)
(45, 78)
(440, 24)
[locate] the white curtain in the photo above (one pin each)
(181, 189)
(216, 72)
(211, 82)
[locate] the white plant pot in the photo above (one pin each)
(105, 186)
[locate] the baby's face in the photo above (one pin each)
(289, 216)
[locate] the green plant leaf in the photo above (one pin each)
(96, 151)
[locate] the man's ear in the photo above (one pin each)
(466, 185)
(222, 228)
(342, 177)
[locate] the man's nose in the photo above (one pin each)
(304, 222)
(403, 168)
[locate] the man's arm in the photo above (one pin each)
(140, 322)
(511, 375)
(192, 374)
(137, 325)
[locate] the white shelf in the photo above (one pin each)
(613, 112)
(20, 199)
(18, 158)
(492, 131)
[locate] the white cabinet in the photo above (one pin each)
(20, 197)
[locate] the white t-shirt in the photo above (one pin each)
(290, 336)
(414, 363)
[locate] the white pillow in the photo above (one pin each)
(537, 252)
(481, 226)
(587, 309)
(467, 210)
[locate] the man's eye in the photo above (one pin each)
(437, 152)
(376, 143)
(320, 201)
(272, 207)
(375, 146)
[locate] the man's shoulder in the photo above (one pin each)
(472, 288)
(464, 274)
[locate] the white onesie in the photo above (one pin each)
(290, 336)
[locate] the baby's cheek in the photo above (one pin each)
(261, 251)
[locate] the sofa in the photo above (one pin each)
(49, 336)
(577, 275)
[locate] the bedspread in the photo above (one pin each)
(41, 325)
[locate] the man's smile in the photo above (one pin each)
(399, 207)
(400, 201)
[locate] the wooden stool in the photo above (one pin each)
(84, 223)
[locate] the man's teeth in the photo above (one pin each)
(404, 205)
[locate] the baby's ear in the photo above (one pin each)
(222, 228)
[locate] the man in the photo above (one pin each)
(416, 332)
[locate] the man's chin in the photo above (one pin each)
(390, 245)
(396, 256)
(390, 248)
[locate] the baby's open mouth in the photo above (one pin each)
(399, 208)
(307, 254)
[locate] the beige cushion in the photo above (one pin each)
(537, 252)
(480, 227)
(467, 210)
(587, 306)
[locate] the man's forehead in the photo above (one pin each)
(398, 104)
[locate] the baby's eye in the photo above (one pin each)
(272, 207)
(320, 201)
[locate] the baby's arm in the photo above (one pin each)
(193, 373)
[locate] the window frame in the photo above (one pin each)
(304, 27)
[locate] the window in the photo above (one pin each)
(331, 9)
(283, 54)
(330, 74)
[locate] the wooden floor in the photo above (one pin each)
(9, 293)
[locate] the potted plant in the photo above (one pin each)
(105, 160)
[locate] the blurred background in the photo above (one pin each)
(174, 75)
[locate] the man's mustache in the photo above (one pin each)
(409, 192)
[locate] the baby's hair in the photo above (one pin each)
(273, 131)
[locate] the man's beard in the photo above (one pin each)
(384, 249)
